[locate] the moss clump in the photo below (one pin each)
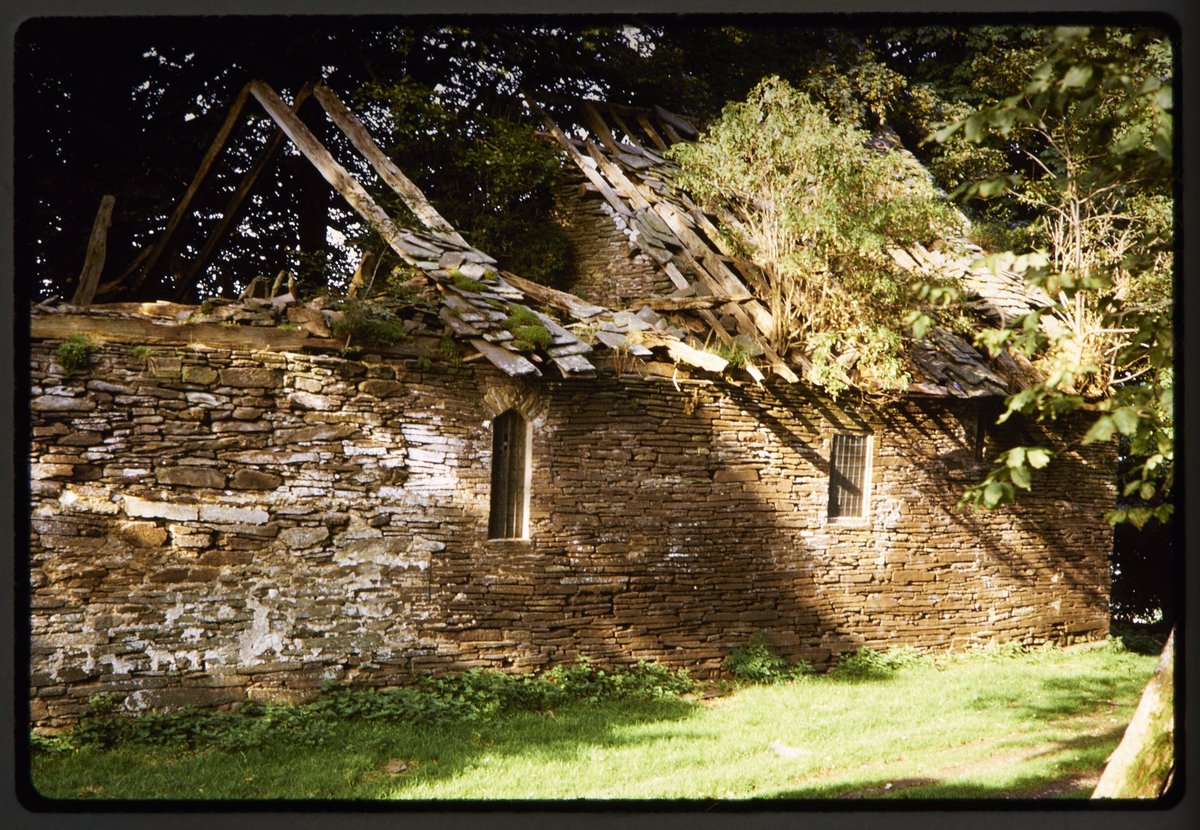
(527, 330)
(465, 283)
(368, 324)
(74, 353)
(737, 354)
(448, 351)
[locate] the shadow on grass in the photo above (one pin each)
(440, 754)
(1074, 777)
(1065, 697)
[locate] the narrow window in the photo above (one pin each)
(510, 468)
(848, 476)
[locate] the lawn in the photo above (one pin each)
(989, 725)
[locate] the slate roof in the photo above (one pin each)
(620, 154)
(714, 301)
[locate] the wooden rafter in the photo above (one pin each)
(144, 269)
(354, 130)
(234, 205)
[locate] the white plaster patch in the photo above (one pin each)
(158, 510)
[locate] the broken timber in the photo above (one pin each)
(341, 180)
(354, 130)
(214, 149)
(93, 263)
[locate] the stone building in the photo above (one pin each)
(221, 512)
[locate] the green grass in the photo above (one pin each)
(984, 726)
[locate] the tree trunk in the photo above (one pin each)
(1143, 764)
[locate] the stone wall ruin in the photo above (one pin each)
(215, 524)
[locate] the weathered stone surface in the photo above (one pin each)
(254, 480)
(220, 513)
(331, 432)
(191, 477)
(41, 471)
(303, 537)
(142, 534)
(200, 375)
(172, 699)
(382, 388)
(167, 368)
(667, 525)
(59, 403)
(145, 508)
(307, 400)
(251, 377)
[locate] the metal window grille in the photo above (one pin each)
(848, 476)
(509, 453)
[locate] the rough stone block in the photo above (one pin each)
(39, 471)
(141, 534)
(144, 508)
(735, 475)
(191, 477)
(252, 377)
(164, 367)
(59, 403)
(200, 375)
(178, 698)
(303, 537)
(307, 400)
(382, 388)
(255, 480)
(224, 514)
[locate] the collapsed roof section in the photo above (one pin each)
(465, 295)
(622, 158)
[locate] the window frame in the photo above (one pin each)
(837, 475)
(508, 510)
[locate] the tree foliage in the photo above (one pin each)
(1092, 127)
(816, 207)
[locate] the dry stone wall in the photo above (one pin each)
(209, 525)
(607, 269)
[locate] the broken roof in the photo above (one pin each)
(621, 155)
(714, 302)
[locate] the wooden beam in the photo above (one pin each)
(233, 206)
(553, 297)
(360, 275)
(340, 178)
(650, 131)
(673, 303)
(354, 130)
(93, 263)
(185, 204)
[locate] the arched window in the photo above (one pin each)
(510, 477)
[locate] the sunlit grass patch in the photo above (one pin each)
(985, 725)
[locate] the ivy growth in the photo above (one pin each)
(809, 201)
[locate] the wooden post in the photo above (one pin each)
(344, 183)
(354, 130)
(1143, 764)
(185, 204)
(360, 275)
(93, 263)
(233, 206)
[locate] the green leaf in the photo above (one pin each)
(1021, 477)
(1077, 76)
(1015, 457)
(1037, 457)
(1102, 430)
(973, 128)
(1146, 491)
(994, 493)
(1126, 420)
